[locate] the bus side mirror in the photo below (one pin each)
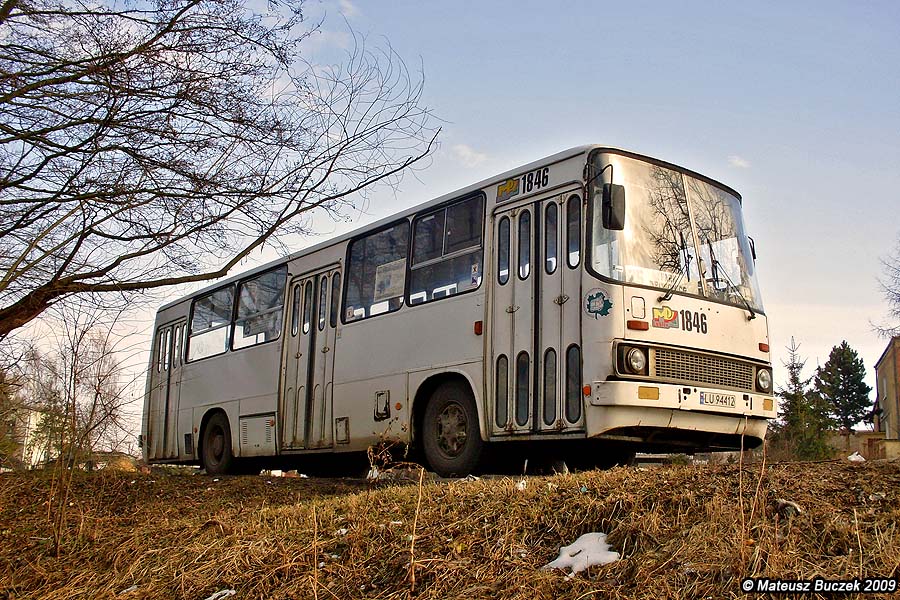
(752, 247)
(614, 206)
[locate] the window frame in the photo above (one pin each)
(344, 282)
(500, 280)
(237, 300)
(525, 211)
(190, 329)
(444, 206)
(575, 200)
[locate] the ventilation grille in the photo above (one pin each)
(688, 367)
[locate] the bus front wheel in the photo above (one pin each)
(217, 456)
(451, 435)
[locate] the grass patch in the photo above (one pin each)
(679, 528)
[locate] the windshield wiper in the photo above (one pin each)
(687, 267)
(716, 268)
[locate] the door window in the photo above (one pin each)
(524, 244)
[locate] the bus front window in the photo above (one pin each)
(680, 233)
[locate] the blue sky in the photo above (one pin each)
(795, 105)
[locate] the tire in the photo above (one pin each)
(451, 434)
(216, 454)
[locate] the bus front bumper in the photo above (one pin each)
(672, 417)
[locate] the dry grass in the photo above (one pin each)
(679, 529)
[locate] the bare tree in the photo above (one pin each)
(151, 144)
(79, 385)
(890, 284)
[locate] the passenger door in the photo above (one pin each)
(536, 345)
(162, 442)
(306, 395)
(512, 319)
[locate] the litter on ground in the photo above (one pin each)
(589, 550)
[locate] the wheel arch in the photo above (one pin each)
(425, 390)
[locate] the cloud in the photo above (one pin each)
(347, 8)
(468, 156)
(736, 161)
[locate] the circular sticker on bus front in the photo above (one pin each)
(597, 303)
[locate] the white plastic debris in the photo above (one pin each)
(856, 457)
(222, 594)
(588, 550)
(341, 531)
(522, 485)
(373, 474)
(127, 590)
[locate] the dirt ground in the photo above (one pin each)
(682, 531)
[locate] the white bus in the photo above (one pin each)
(593, 297)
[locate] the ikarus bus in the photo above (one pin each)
(596, 301)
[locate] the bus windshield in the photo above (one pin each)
(680, 233)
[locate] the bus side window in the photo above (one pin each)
(376, 272)
(210, 323)
(176, 352)
(502, 391)
(335, 299)
(524, 244)
(295, 309)
(447, 257)
(323, 300)
(307, 305)
(160, 351)
(503, 251)
(573, 231)
(260, 308)
(550, 238)
(573, 383)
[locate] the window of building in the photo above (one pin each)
(376, 273)
(210, 321)
(447, 251)
(260, 308)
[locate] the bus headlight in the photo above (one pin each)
(764, 380)
(636, 360)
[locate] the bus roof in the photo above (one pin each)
(558, 157)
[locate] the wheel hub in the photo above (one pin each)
(451, 430)
(218, 444)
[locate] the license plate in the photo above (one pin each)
(717, 399)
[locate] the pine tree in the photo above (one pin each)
(804, 413)
(840, 383)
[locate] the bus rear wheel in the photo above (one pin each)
(216, 455)
(451, 435)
